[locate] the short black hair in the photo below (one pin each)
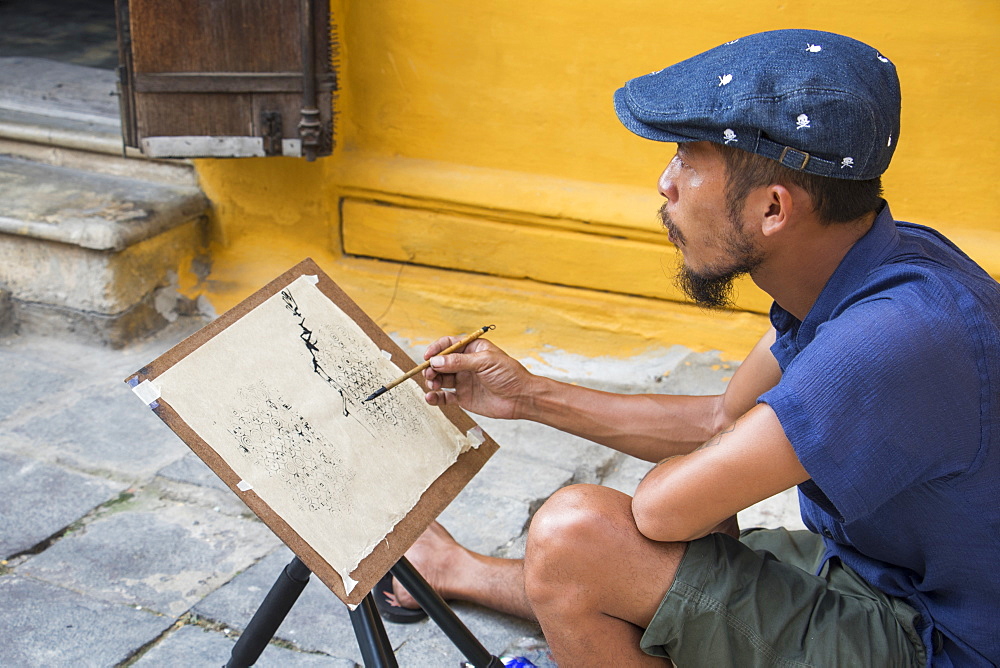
(835, 200)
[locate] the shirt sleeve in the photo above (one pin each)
(885, 396)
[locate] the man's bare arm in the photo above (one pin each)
(686, 496)
(649, 426)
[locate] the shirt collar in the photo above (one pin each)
(867, 253)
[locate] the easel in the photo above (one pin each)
(252, 345)
(376, 650)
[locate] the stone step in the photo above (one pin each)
(67, 115)
(92, 236)
(92, 253)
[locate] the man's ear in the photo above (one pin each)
(778, 206)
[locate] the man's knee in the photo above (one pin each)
(573, 524)
(575, 514)
(565, 536)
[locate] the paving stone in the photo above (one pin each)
(33, 379)
(318, 622)
(45, 625)
(190, 480)
(192, 470)
(508, 474)
(699, 374)
(31, 512)
(496, 632)
(549, 447)
(165, 557)
(636, 374)
(8, 316)
(626, 473)
(106, 433)
(51, 88)
(486, 524)
(494, 508)
(195, 646)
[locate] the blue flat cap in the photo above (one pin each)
(814, 101)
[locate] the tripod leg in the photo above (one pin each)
(444, 616)
(376, 650)
(279, 600)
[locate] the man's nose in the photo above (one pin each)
(666, 184)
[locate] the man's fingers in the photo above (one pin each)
(475, 356)
(439, 345)
(447, 341)
(437, 382)
(456, 362)
(440, 398)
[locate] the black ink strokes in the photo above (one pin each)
(312, 346)
(271, 434)
(342, 359)
(305, 334)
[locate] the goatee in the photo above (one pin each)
(714, 288)
(708, 291)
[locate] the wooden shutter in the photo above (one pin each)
(226, 78)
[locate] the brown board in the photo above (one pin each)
(270, 396)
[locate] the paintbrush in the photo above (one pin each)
(420, 367)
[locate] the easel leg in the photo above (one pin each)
(443, 616)
(376, 650)
(269, 615)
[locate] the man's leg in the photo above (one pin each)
(593, 580)
(589, 577)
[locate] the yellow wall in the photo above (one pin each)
(495, 118)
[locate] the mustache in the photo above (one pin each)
(668, 224)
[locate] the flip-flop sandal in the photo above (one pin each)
(393, 613)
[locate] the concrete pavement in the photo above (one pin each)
(119, 547)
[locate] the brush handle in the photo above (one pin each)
(420, 367)
(450, 349)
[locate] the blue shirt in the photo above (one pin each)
(890, 395)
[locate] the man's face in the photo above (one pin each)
(716, 246)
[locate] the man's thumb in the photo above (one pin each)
(454, 362)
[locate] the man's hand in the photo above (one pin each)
(485, 379)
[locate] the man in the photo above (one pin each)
(877, 393)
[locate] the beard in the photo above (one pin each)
(713, 287)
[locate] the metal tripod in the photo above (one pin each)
(376, 650)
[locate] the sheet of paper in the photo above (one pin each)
(278, 396)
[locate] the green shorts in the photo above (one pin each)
(756, 602)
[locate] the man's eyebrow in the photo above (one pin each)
(682, 150)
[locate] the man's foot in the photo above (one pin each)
(437, 557)
(458, 574)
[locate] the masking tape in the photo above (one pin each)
(476, 436)
(147, 392)
(311, 278)
(349, 584)
(386, 354)
(244, 486)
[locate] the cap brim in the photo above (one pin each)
(644, 130)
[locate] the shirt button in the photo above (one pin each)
(827, 533)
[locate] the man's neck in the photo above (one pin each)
(796, 273)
